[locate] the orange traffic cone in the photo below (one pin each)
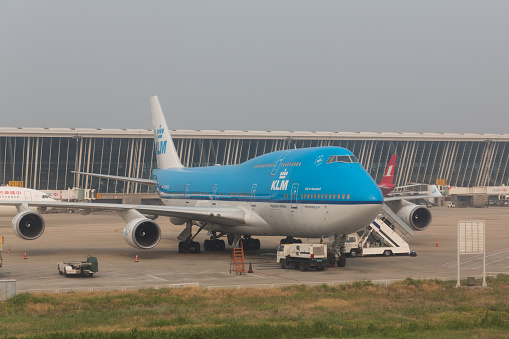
(9, 249)
(250, 269)
(136, 260)
(436, 245)
(25, 255)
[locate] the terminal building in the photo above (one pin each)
(43, 158)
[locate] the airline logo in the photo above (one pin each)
(10, 193)
(160, 144)
(389, 171)
(319, 160)
(279, 185)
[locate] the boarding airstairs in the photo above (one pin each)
(395, 221)
(382, 236)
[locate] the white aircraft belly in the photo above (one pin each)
(307, 220)
(314, 221)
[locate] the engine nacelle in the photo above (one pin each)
(28, 225)
(416, 216)
(178, 221)
(142, 233)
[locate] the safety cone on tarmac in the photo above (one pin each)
(9, 251)
(136, 260)
(436, 245)
(250, 269)
(25, 256)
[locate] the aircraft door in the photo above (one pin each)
(214, 190)
(187, 194)
(253, 196)
(295, 191)
(28, 196)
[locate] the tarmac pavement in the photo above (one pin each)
(72, 237)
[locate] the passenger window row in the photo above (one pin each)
(291, 164)
(309, 196)
(264, 165)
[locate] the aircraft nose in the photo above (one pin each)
(371, 193)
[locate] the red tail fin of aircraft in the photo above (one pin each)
(387, 183)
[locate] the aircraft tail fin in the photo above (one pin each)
(387, 182)
(434, 191)
(166, 154)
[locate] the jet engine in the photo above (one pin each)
(416, 216)
(142, 233)
(28, 225)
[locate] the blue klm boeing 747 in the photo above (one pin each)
(312, 193)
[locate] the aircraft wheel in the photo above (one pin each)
(207, 245)
(184, 247)
(195, 247)
(342, 260)
(219, 245)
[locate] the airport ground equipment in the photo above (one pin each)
(303, 256)
(86, 268)
(237, 264)
(379, 238)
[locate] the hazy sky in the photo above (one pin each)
(383, 66)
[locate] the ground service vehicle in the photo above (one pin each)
(303, 256)
(87, 268)
(379, 238)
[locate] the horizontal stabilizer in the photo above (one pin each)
(115, 177)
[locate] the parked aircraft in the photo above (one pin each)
(311, 193)
(20, 194)
(418, 217)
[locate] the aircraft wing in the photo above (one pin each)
(411, 197)
(434, 192)
(229, 216)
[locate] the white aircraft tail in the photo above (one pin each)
(166, 154)
(434, 191)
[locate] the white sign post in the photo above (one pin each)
(471, 240)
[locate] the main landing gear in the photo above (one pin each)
(214, 244)
(335, 254)
(250, 244)
(187, 245)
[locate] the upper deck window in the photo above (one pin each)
(342, 158)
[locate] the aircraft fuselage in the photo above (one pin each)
(313, 192)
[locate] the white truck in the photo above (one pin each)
(378, 239)
(303, 256)
(86, 268)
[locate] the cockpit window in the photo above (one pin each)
(342, 158)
